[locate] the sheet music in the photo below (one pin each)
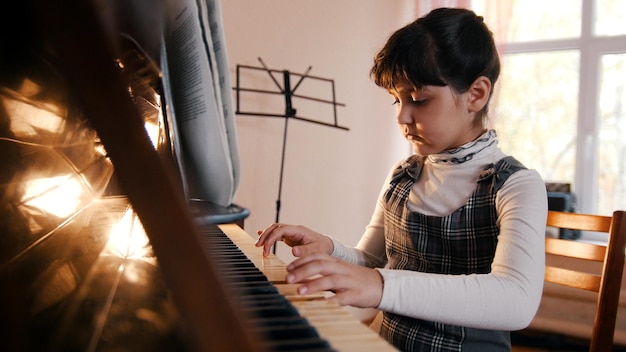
(197, 83)
(213, 10)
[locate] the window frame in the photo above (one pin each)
(591, 49)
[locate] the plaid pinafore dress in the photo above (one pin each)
(463, 242)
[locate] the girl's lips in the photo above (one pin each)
(412, 137)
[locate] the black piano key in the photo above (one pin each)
(232, 276)
(299, 345)
(271, 311)
(235, 263)
(253, 288)
(289, 332)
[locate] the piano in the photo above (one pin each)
(99, 249)
(95, 284)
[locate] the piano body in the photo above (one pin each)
(99, 249)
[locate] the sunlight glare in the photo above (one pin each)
(59, 196)
(128, 238)
(153, 132)
(28, 119)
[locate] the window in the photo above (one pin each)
(560, 104)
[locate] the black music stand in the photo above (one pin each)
(290, 111)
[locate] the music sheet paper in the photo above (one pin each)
(198, 92)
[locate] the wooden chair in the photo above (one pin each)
(608, 283)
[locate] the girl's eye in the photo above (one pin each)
(415, 101)
(419, 102)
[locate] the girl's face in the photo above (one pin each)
(433, 118)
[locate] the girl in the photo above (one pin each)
(454, 252)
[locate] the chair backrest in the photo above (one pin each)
(608, 283)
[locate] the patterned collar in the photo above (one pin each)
(467, 151)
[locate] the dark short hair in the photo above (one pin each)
(448, 46)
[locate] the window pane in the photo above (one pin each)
(536, 111)
(610, 16)
(612, 144)
(537, 20)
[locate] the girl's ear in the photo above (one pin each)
(479, 93)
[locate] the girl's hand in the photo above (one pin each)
(302, 240)
(353, 285)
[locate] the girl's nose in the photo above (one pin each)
(404, 116)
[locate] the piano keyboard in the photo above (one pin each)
(290, 322)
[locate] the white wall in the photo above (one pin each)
(331, 177)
